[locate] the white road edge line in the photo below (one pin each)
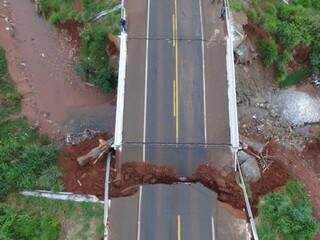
(203, 77)
(212, 229)
(139, 213)
(145, 116)
(106, 199)
(146, 83)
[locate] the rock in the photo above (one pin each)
(260, 127)
(249, 167)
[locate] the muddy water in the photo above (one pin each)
(41, 62)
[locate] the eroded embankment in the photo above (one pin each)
(125, 179)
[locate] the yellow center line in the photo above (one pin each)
(177, 70)
(173, 30)
(174, 98)
(178, 227)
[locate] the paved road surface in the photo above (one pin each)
(175, 113)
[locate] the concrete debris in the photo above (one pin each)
(249, 167)
(245, 53)
(62, 196)
(73, 139)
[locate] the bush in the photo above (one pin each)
(287, 215)
(57, 11)
(18, 224)
(288, 35)
(94, 66)
(269, 51)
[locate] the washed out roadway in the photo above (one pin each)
(175, 114)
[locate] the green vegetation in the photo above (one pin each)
(295, 78)
(27, 159)
(19, 224)
(71, 220)
(236, 5)
(57, 11)
(287, 215)
(94, 64)
(269, 51)
(290, 26)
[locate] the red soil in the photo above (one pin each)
(295, 164)
(311, 154)
(254, 31)
(91, 176)
(73, 28)
(301, 54)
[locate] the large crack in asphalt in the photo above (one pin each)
(127, 178)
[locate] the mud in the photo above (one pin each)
(41, 62)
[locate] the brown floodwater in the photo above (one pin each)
(41, 62)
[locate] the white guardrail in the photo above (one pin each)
(119, 116)
(121, 82)
(233, 116)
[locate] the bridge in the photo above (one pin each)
(176, 107)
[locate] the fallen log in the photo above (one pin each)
(96, 153)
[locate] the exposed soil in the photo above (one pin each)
(41, 62)
(254, 31)
(224, 184)
(126, 179)
(311, 154)
(295, 164)
(73, 29)
(88, 179)
(301, 54)
(133, 174)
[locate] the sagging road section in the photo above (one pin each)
(175, 114)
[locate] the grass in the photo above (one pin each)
(295, 78)
(76, 220)
(27, 159)
(21, 224)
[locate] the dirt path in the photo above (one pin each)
(41, 62)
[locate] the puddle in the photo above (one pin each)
(41, 62)
(297, 107)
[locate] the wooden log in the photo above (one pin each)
(103, 148)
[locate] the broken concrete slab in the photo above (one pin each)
(249, 167)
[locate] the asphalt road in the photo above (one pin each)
(175, 114)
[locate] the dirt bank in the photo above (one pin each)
(294, 162)
(88, 179)
(41, 62)
(126, 179)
